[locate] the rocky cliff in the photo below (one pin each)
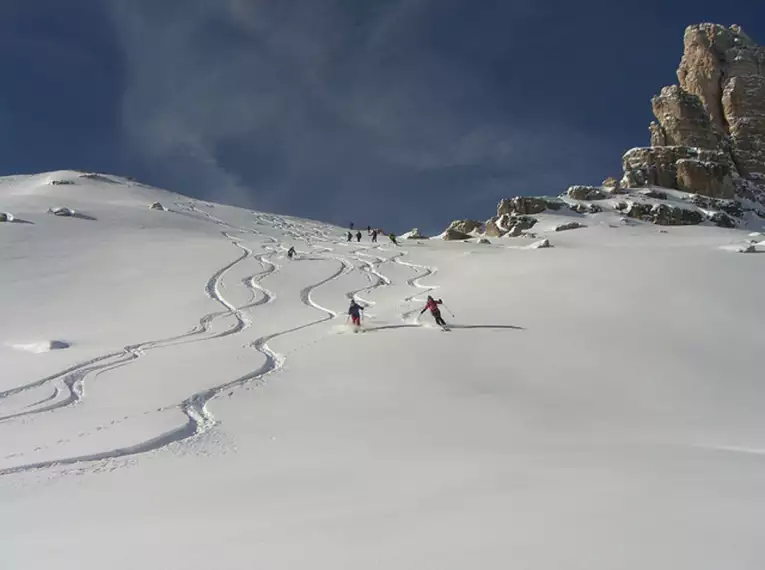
(707, 146)
(709, 134)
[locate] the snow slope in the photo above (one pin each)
(174, 392)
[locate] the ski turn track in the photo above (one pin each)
(199, 418)
(73, 378)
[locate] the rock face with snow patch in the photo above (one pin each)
(414, 233)
(453, 235)
(524, 205)
(569, 226)
(689, 169)
(586, 193)
(465, 226)
(709, 137)
(506, 224)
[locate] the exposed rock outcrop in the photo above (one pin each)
(587, 193)
(524, 205)
(685, 168)
(709, 137)
(664, 214)
(541, 244)
(569, 226)
(61, 211)
(6, 217)
(414, 233)
(454, 235)
(683, 120)
(465, 226)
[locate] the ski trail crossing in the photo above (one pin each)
(199, 419)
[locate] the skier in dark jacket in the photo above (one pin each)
(374, 236)
(358, 236)
(392, 238)
(355, 313)
(349, 236)
(291, 252)
(432, 306)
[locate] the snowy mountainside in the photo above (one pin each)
(171, 380)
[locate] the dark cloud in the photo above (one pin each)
(318, 108)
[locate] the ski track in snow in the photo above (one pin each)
(74, 378)
(199, 418)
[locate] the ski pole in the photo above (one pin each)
(448, 309)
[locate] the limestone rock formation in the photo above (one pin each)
(664, 214)
(587, 193)
(453, 235)
(685, 168)
(506, 224)
(709, 137)
(465, 226)
(524, 205)
(683, 120)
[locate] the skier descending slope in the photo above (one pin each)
(355, 313)
(291, 252)
(432, 305)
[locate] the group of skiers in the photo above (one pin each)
(432, 305)
(354, 311)
(372, 232)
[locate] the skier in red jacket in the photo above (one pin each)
(432, 305)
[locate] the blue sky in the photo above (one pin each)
(394, 113)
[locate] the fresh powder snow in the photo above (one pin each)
(176, 392)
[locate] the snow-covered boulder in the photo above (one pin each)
(586, 208)
(731, 207)
(6, 217)
(569, 226)
(541, 244)
(586, 193)
(748, 248)
(666, 215)
(723, 220)
(499, 226)
(158, 206)
(61, 211)
(484, 241)
(62, 182)
(515, 231)
(612, 185)
(655, 194)
(414, 233)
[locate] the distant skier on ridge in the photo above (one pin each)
(358, 236)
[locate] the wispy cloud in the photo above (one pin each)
(304, 106)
